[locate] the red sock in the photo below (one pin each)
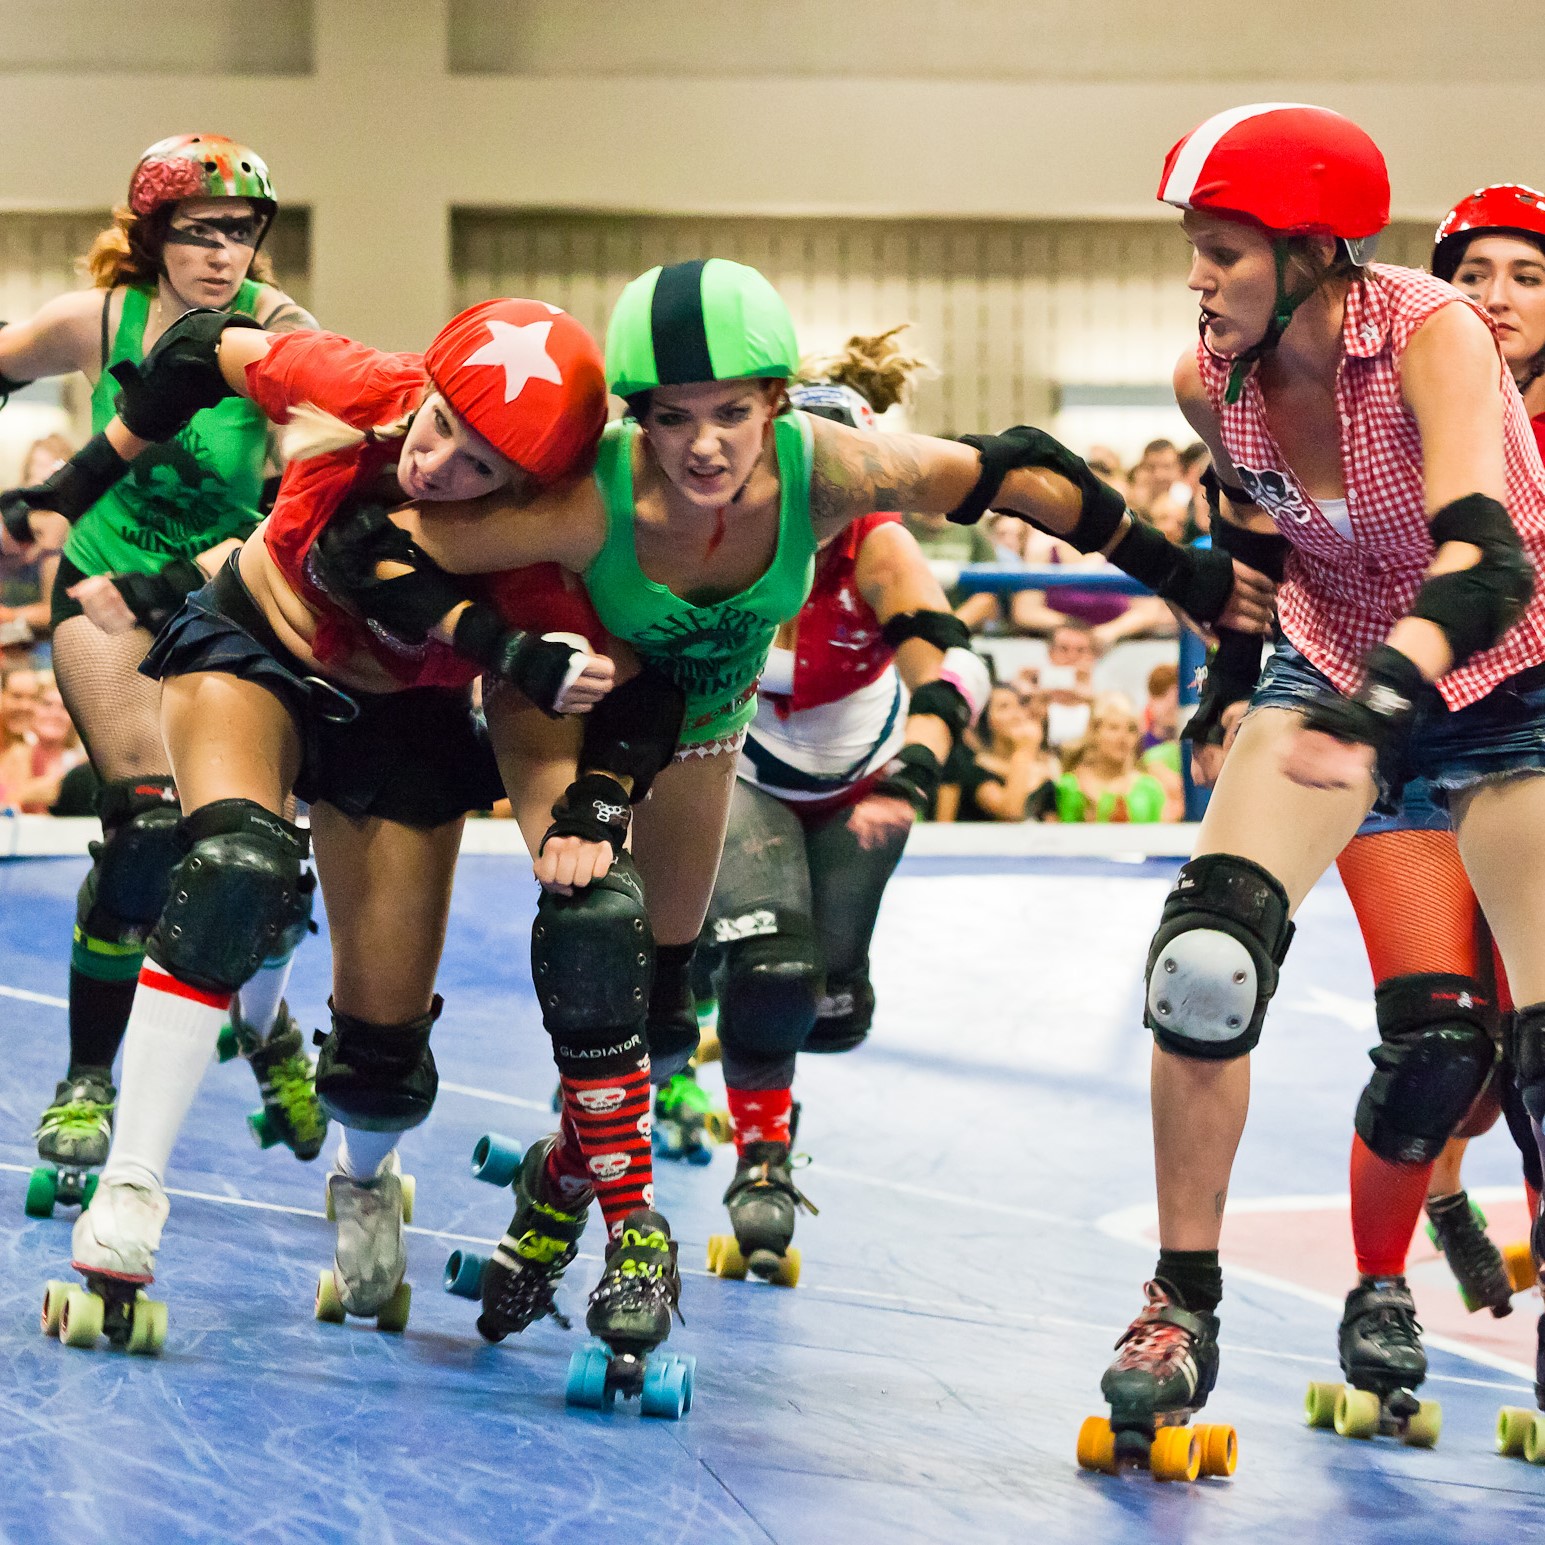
(1386, 1207)
(760, 1115)
(607, 1121)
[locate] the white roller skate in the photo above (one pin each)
(369, 1262)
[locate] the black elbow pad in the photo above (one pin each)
(1474, 607)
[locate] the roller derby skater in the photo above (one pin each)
(188, 236)
(1394, 432)
(273, 686)
(687, 1124)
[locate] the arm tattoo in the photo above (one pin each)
(855, 473)
(287, 317)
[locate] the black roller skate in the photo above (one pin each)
(1520, 1431)
(1383, 1359)
(73, 1135)
(630, 1315)
(1166, 1365)
(1458, 1228)
(286, 1079)
(685, 1124)
(762, 1200)
(515, 1285)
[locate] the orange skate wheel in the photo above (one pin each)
(1520, 1265)
(1176, 1454)
(1097, 1445)
(1220, 1449)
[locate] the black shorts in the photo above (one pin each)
(418, 756)
(61, 605)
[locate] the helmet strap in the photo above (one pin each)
(1282, 311)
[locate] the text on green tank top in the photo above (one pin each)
(714, 653)
(182, 497)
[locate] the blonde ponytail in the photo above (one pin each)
(312, 431)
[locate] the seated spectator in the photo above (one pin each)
(1104, 781)
(1159, 748)
(947, 546)
(32, 770)
(19, 690)
(1106, 465)
(1001, 770)
(26, 588)
(1067, 679)
(1009, 536)
(1195, 459)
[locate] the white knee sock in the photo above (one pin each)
(258, 1001)
(166, 1048)
(360, 1154)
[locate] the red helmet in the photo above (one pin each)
(528, 378)
(1296, 170)
(1504, 209)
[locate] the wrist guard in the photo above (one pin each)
(1232, 672)
(944, 630)
(1380, 713)
(913, 774)
(633, 731)
(539, 668)
(345, 560)
(69, 490)
(1198, 580)
(1263, 551)
(594, 808)
(1474, 607)
(179, 377)
(154, 598)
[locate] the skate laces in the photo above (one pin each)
(1156, 1339)
(289, 1081)
(1387, 1314)
(642, 1266)
(776, 1172)
(77, 1118)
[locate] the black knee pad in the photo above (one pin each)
(1437, 1049)
(672, 1024)
(130, 877)
(233, 897)
(770, 988)
(1526, 1057)
(1213, 964)
(379, 1078)
(846, 1012)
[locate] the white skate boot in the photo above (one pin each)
(114, 1248)
(366, 1277)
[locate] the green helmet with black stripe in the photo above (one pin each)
(707, 320)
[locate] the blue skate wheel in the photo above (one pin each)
(700, 1155)
(587, 1379)
(665, 1389)
(464, 1274)
(496, 1159)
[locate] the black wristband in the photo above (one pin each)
(70, 490)
(594, 808)
(914, 774)
(1379, 713)
(1198, 580)
(1263, 551)
(478, 634)
(1232, 672)
(154, 598)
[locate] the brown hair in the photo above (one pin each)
(129, 251)
(873, 365)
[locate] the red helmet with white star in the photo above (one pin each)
(1504, 209)
(528, 378)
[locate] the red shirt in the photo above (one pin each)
(368, 389)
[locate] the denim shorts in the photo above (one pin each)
(1502, 736)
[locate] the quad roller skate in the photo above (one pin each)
(762, 1200)
(686, 1125)
(286, 1079)
(1520, 1431)
(515, 1285)
(114, 1248)
(1487, 1277)
(630, 1315)
(1383, 1360)
(73, 1135)
(366, 1277)
(1166, 1364)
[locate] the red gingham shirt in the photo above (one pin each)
(1340, 597)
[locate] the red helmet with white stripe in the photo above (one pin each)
(1504, 209)
(1294, 169)
(528, 378)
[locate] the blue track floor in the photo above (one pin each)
(925, 1381)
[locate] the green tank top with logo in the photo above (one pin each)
(714, 653)
(182, 497)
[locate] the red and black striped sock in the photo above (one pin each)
(606, 1121)
(760, 1115)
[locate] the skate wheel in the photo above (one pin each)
(393, 1314)
(1320, 1404)
(1097, 1445)
(53, 1305)
(464, 1273)
(329, 1307)
(88, 1191)
(665, 1389)
(1520, 1265)
(1513, 1424)
(587, 1379)
(1176, 1455)
(724, 1257)
(42, 1188)
(147, 1332)
(1357, 1412)
(264, 1133)
(80, 1319)
(496, 1159)
(1534, 1440)
(708, 1048)
(327, 1203)
(700, 1155)
(1220, 1449)
(719, 1126)
(1422, 1429)
(787, 1275)
(227, 1047)
(409, 1196)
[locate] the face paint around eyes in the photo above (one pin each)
(214, 233)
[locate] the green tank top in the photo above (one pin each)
(179, 498)
(1144, 804)
(714, 653)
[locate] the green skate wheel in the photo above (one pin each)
(329, 1307)
(1357, 1412)
(464, 1274)
(1513, 1424)
(327, 1204)
(227, 1047)
(1422, 1429)
(393, 1314)
(80, 1322)
(264, 1131)
(496, 1159)
(586, 1385)
(665, 1389)
(42, 1188)
(88, 1191)
(53, 1305)
(147, 1333)
(1320, 1404)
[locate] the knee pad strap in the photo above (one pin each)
(844, 1016)
(379, 1078)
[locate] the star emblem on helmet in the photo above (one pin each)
(521, 349)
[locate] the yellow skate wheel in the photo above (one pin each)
(1520, 1265)
(327, 1203)
(1220, 1449)
(724, 1257)
(53, 1305)
(717, 1124)
(788, 1270)
(80, 1321)
(1097, 1445)
(147, 1330)
(1513, 1424)
(1357, 1412)
(1320, 1404)
(707, 1048)
(329, 1307)
(1176, 1455)
(1534, 1440)
(393, 1314)
(1422, 1429)
(409, 1192)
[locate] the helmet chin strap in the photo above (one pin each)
(1282, 311)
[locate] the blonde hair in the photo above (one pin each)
(873, 365)
(129, 251)
(312, 431)
(1105, 704)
